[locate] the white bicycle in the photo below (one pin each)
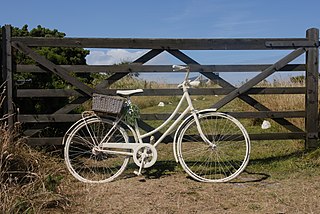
(210, 146)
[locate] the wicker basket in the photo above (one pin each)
(107, 104)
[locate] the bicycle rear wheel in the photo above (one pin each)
(84, 157)
(221, 160)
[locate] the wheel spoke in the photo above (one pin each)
(218, 162)
(85, 160)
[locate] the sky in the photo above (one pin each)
(171, 19)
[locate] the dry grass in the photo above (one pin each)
(268, 186)
(278, 102)
(29, 179)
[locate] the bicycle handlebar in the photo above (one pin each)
(179, 68)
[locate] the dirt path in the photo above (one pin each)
(176, 193)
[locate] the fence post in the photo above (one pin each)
(311, 97)
(1, 76)
(7, 75)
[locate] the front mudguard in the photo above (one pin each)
(182, 125)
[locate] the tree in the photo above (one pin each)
(57, 55)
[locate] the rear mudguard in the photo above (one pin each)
(74, 125)
(110, 118)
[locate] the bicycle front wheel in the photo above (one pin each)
(85, 158)
(221, 156)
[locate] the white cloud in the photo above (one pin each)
(112, 56)
(115, 56)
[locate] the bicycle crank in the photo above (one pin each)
(145, 155)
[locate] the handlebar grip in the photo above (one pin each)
(178, 67)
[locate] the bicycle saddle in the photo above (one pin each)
(126, 93)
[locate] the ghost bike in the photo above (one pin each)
(211, 146)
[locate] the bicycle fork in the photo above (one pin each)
(203, 137)
(195, 114)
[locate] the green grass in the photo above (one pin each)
(285, 159)
(272, 160)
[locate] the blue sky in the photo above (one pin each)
(171, 19)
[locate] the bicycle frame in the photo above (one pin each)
(185, 97)
(189, 109)
(84, 146)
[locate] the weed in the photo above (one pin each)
(52, 182)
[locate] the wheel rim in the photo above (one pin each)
(222, 161)
(83, 157)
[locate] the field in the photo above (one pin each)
(281, 176)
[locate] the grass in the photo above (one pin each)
(272, 160)
(29, 179)
(282, 160)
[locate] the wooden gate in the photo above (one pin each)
(82, 92)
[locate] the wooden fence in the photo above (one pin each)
(34, 123)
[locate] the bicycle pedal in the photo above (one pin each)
(137, 173)
(140, 176)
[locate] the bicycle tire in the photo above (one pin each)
(224, 159)
(81, 158)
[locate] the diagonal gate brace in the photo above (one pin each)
(58, 70)
(115, 77)
(246, 98)
(254, 81)
(141, 60)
